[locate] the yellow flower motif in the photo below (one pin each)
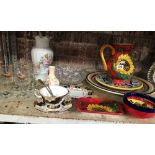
(124, 64)
(96, 107)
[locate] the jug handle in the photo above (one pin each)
(102, 54)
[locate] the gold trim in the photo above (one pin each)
(148, 87)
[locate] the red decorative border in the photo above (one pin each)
(82, 107)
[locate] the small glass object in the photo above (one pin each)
(6, 80)
(23, 78)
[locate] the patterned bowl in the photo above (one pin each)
(69, 75)
(58, 91)
(139, 105)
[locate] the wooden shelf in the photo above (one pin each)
(23, 111)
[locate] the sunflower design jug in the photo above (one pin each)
(120, 67)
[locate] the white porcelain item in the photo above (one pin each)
(58, 91)
(42, 58)
(52, 79)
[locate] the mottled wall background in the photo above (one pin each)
(81, 49)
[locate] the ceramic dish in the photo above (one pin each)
(147, 86)
(139, 105)
(63, 105)
(58, 91)
(134, 85)
(99, 106)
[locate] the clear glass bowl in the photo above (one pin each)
(70, 75)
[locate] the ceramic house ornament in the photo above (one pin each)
(42, 57)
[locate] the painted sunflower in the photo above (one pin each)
(96, 107)
(124, 65)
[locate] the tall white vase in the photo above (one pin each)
(42, 57)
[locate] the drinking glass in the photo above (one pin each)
(23, 79)
(6, 80)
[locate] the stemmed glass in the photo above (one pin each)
(23, 78)
(30, 79)
(6, 78)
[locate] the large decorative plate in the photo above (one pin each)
(134, 85)
(147, 86)
(151, 73)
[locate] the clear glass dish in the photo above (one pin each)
(70, 75)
